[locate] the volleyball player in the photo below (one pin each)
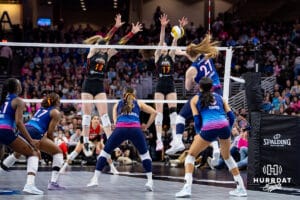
(126, 115)
(11, 117)
(41, 127)
(210, 113)
(93, 87)
(164, 60)
(203, 66)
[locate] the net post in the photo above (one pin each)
(227, 72)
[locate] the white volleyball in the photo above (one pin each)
(176, 32)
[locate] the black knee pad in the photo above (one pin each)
(81, 139)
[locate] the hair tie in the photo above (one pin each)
(49, 101)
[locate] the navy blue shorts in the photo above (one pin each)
(214, 134)
(120, 134)
(7, 136)
(34, 133)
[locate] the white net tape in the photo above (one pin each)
(55, 45)
(28, 44)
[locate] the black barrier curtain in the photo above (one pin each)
(274, 150)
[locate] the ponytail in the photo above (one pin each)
(206, 97)
(206, 47)
(128, 102)
(10, 86)
(51, 99)
(3, 94)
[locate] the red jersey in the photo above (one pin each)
(94, 132)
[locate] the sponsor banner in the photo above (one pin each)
(274, 149)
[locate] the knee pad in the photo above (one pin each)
(105, 121)
(189, 160)
(58, 161)
(173, 116)
(231, 164)
(159, 118)
(86, 121)
(145, 156)
(32, 164)
(180, 120)
(105, 154)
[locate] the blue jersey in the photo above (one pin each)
(7, 113)
(213, 116)
(128, 120)
(41, 119)
(206, 68)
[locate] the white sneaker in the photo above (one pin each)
(178, 146)
(32, 189)
(113, 170)
(185, 192)
(159, 145)
(149, 186)
(238, 192)
(93, 182)
(173, 142)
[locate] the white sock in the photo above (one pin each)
(9, 161)
(216, 151)
(73, 155)
(149, 176)
(239, 181)
(63, 168)
(54, 177)
(188, 178)
(179, 138)
(30, 179)
(158, 136)
(97, 174)
(86, 139)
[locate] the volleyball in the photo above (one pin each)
(176, 32)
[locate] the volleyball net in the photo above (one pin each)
(53, 56)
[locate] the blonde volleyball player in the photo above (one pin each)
(211, 123)
(93, 87)
(126, 116)
(203, 66)
(164, 60)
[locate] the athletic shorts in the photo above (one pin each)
(214, 134)
(165, 85)
(34, 133)
(7, 136)
(93, 86)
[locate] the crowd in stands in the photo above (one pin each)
(274, 46)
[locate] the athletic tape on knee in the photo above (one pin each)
(58, 160)
(180, 120)
(231, 164)
(145, 156)
(105, 155)
(173, 118)
(189, 160)
(86, 120)
(32, 164)
(105, 120)
(159, 118)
